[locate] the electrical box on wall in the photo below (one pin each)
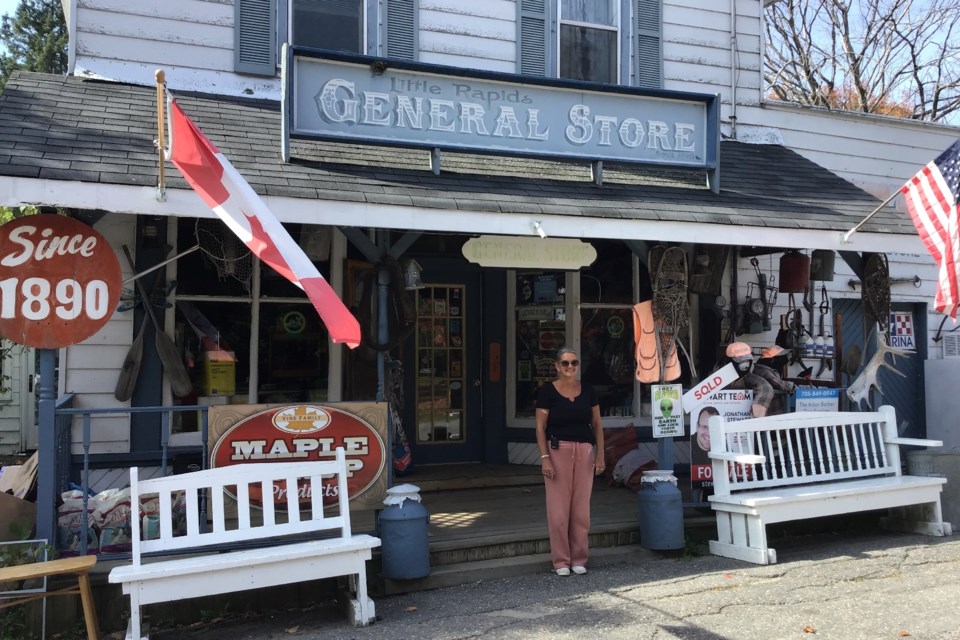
(951, 346)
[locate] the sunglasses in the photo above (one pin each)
(569, 363)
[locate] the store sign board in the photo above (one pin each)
(305, 433)
(59, 281)
(518, 252)
(363, 99)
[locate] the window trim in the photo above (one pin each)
(622, 8)
(285, 24)
(636, 31)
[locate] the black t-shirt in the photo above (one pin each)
(569, 419)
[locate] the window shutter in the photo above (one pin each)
(532, 30)
(255, 37)
(648, 44)
(400, 31)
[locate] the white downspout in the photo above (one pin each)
(733, 69)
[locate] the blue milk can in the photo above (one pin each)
(661, 511)
(404, 543)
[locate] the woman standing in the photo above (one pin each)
(570, 436)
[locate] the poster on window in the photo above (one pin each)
(667, 412)
(732, 405)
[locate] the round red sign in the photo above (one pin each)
(59, 281)
(305, 433)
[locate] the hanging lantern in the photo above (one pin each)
(794, 272)
(821, 264)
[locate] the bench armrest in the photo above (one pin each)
(739, 458)
(916, 442)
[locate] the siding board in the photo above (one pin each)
(469, 47)
(497, 9)
(124, 49)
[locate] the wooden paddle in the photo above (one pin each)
(131, 366)
(130, 370)
(169, 354)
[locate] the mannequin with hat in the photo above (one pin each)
(760, 376)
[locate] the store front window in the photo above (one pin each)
(590, 311)
(540, 321)
(247, 334)
(606, 327)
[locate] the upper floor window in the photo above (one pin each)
(589, 40)
(327, 24)
(386, 28)
(609, 41)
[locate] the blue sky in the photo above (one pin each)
(8, 8)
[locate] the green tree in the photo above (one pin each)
(35, 38)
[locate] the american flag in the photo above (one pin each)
(933, 201)
(235, 202)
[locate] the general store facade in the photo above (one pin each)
(496, 236)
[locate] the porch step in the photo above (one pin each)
(460, 477)
(449, 575)
(518, 544)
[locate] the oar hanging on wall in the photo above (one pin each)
(173, 366)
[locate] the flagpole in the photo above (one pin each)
(845, 238)
(161, 83)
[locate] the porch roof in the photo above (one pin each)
(88, 144)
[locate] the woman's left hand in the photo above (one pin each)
(598, 468)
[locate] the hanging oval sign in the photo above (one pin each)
(59, 281)
(304, 433)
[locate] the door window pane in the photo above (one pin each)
(328, 24)
(441, 364)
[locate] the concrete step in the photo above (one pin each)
(453, 574)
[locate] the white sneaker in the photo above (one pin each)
(577, 569)
(563, 571)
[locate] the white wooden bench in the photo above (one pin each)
(806, 465)
(209, 571)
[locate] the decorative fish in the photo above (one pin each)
(860, 388)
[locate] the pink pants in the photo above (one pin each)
(568, 503)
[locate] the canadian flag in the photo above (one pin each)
(236, 203)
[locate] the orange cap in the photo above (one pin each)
(771, 352)
(739, 350)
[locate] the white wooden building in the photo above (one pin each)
(85, 146)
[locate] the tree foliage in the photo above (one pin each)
(35, 38)
(890, 57)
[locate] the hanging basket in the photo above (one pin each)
(794, 272)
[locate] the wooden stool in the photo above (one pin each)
(79, 566)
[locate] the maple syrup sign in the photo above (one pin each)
(59, 281)
(305, 433)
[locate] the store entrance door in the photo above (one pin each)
(443, 370)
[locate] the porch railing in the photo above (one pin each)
(67, 462)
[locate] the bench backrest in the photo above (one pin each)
(210, 494)
(804, 448)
